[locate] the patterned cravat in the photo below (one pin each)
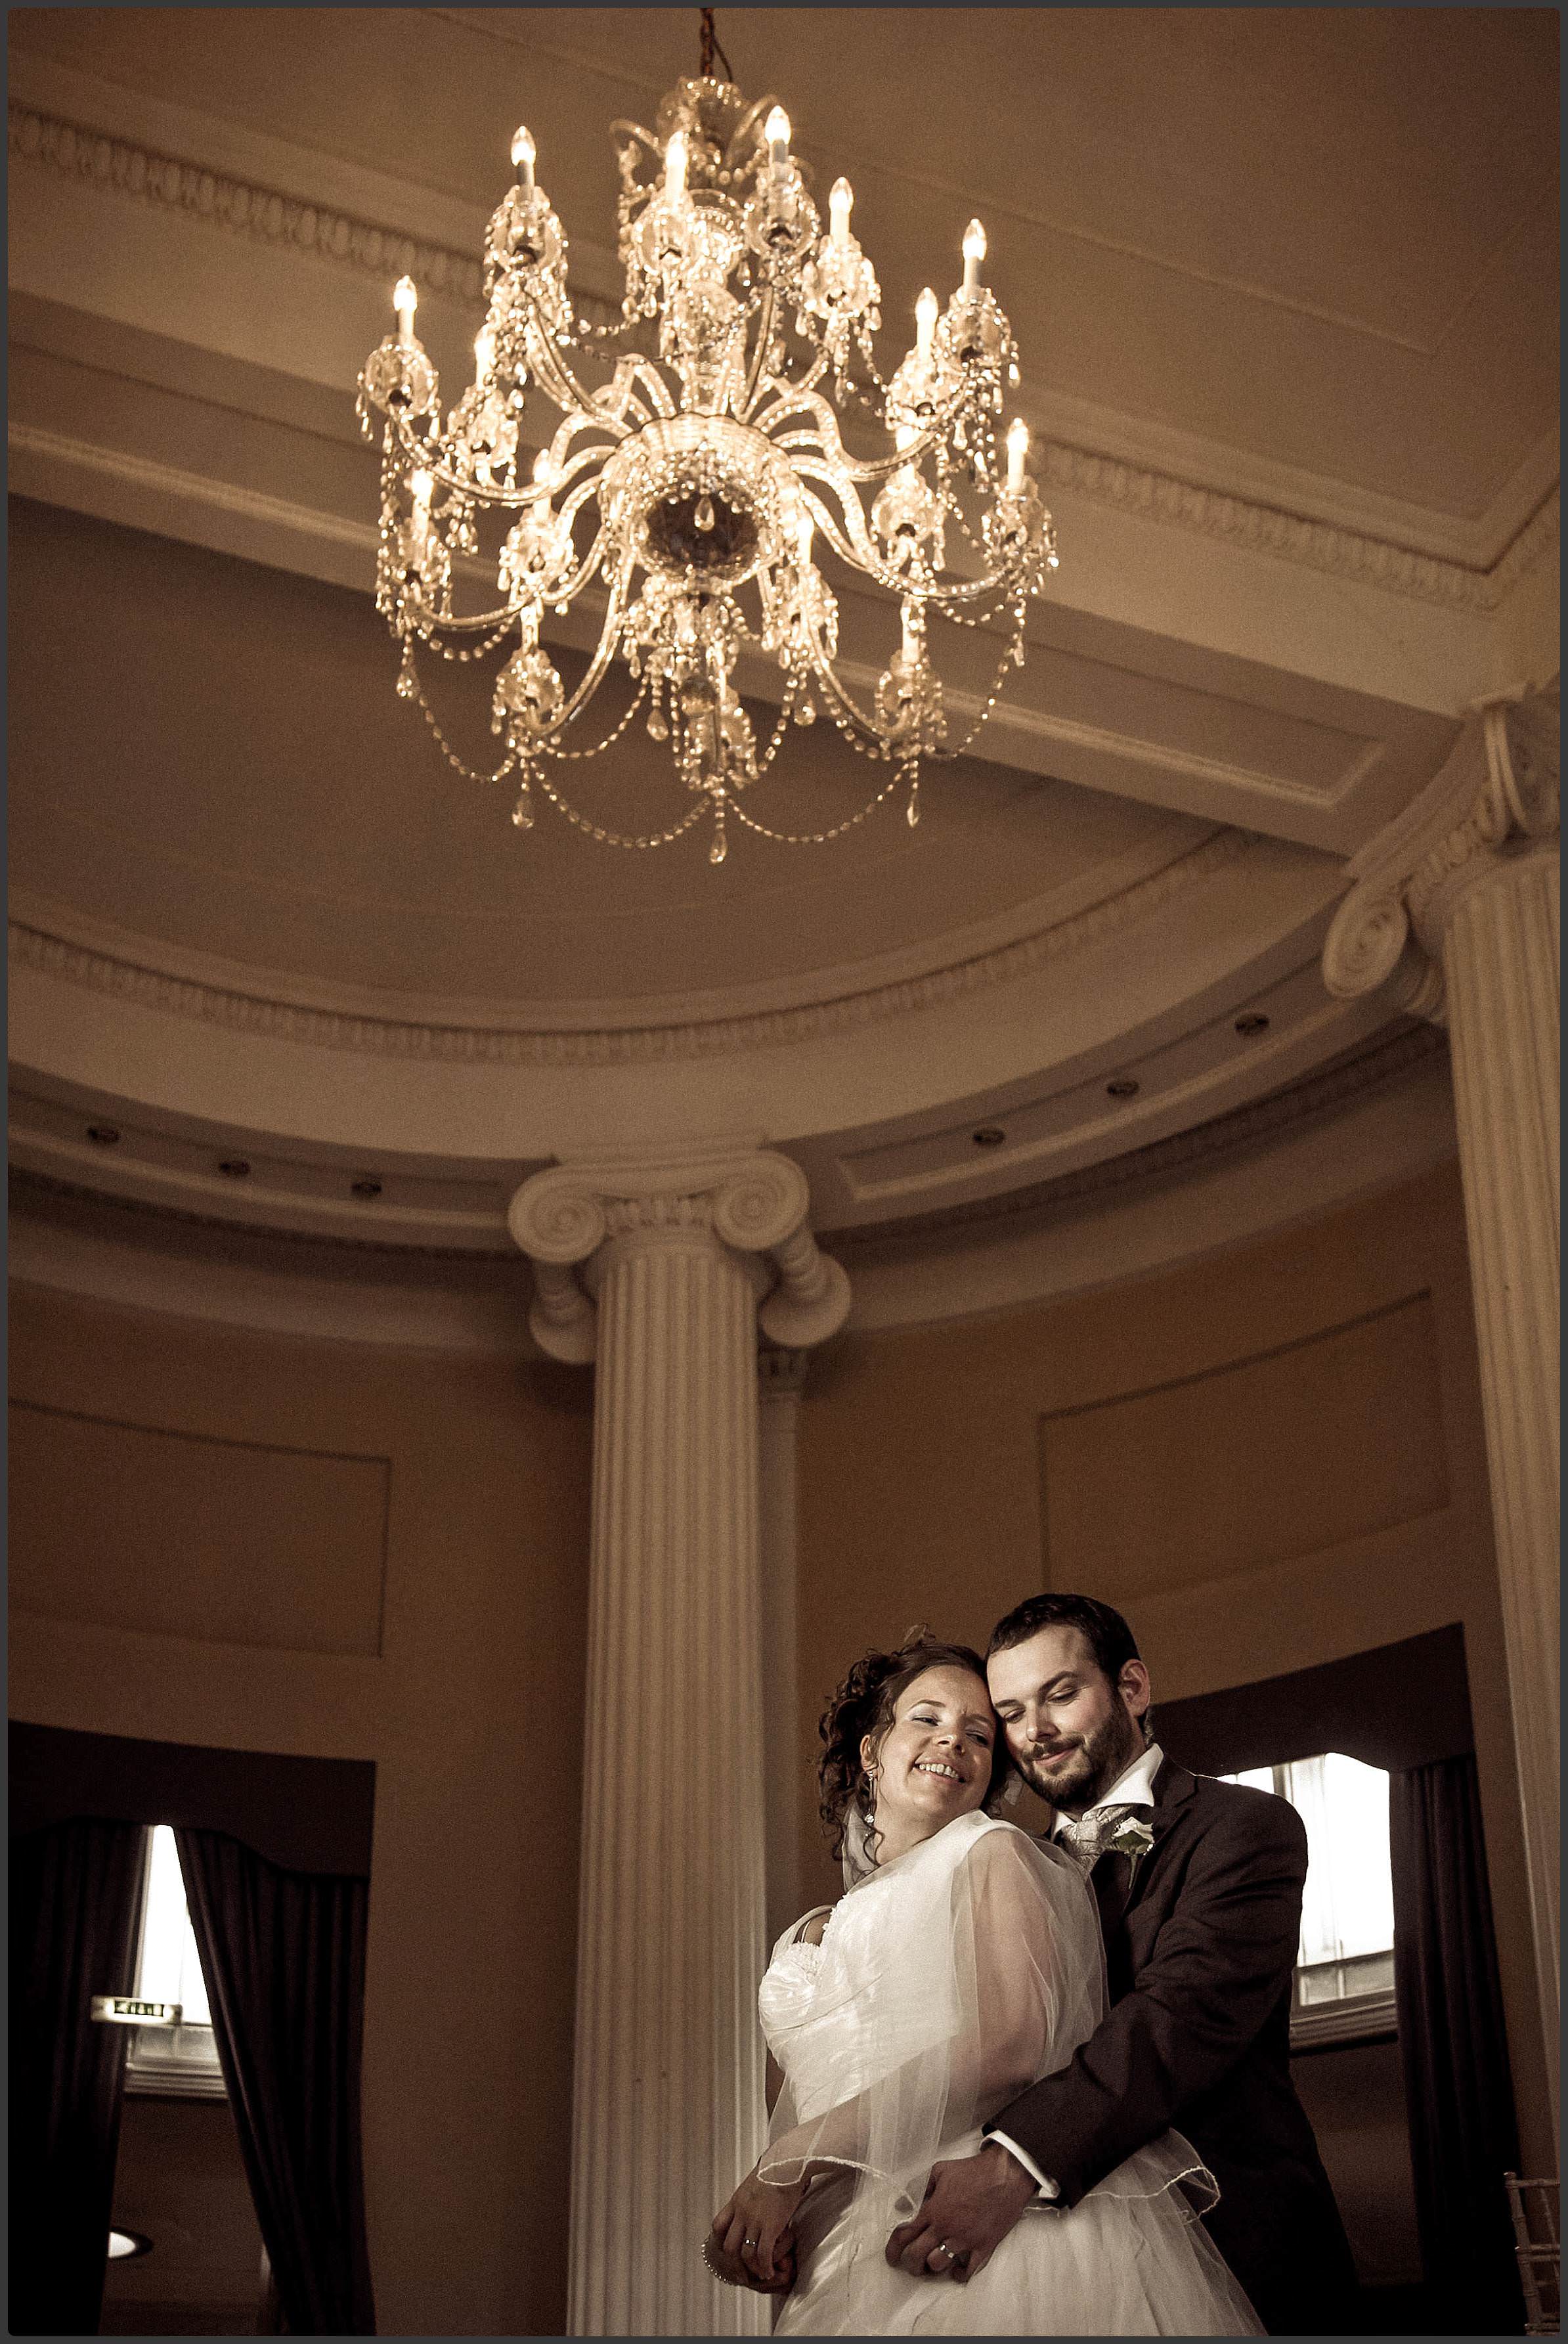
(1084, 1838)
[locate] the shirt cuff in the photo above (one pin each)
(1047, 2188)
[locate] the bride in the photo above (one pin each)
(962, 1962)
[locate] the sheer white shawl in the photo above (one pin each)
(945, 1984)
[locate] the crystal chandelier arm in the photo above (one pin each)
(645, 372)
(574, 585)
(756, 383)
(758, 390)
(423, 456)
(855, 550)
(594, 676)
(803, 397)
(834, 691)
(555, 376)
(581, 757)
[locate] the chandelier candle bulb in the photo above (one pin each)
(421, 488)
(524, 153)
(926, 309)
(777, 133)
(974, 253)
(1017, 450)
(841, 203)
(674, 165)
(405, 301)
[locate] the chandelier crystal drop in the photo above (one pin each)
(685, 497)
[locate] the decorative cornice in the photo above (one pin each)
(1499, 790)
(264, 215)
(32, 947)
(1311, 544)
(1390, 1059)
(269, 216)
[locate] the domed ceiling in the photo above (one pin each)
(1282, 285)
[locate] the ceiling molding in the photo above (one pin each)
(318, 233)
(1392, 1057)
(1389, 1059)
(1311, 544)
(257, 1012)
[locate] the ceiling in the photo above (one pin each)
(1325, 237)
(1284, 283)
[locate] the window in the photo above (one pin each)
(1345, 1965)
(180, 2060)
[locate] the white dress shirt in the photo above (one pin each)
(1133, 1787)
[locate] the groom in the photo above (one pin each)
(1199, 1885)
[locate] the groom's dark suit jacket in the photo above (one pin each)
(1201, 1938)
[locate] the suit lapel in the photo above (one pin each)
(1118, 1882)
(1173, 1786)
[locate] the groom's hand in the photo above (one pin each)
(971, 2204)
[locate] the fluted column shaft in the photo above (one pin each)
(669, 2099)
(1499, 957)
(1455, 911)
(781, 1378)
(667, 2105)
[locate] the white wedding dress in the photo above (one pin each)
(945, 1983)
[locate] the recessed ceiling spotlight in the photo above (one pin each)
(990, 1135)
(1122, 1088)
(104, 1135)
(366, 1187)
(235, 1167)
(1254, 1022)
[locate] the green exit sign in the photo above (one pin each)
(124, 2010)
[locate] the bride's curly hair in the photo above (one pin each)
(864, 1704)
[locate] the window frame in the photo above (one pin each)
(1346, 2019)
(177, 2062)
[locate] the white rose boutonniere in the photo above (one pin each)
(1133, 1839)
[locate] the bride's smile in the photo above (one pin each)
(933, 1762)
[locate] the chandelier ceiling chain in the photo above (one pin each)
(688, 499)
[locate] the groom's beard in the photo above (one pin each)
(1076, 1783)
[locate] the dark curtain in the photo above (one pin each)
(1459, 2092)
(75, 1906)
(283, 1954)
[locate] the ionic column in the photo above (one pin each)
(668, 2109)
(1455, 907)
(780, 1379)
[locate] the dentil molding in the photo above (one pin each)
(33, 947)
(1500, 791)
(750, 1201)
(236, 207)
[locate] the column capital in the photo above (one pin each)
(749, 1199)
(1496, 799)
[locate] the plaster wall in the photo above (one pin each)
(218, 1465)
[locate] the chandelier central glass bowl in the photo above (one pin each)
(687, 498)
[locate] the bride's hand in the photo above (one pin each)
(752, 2233)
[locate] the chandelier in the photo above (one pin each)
(688, 495)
